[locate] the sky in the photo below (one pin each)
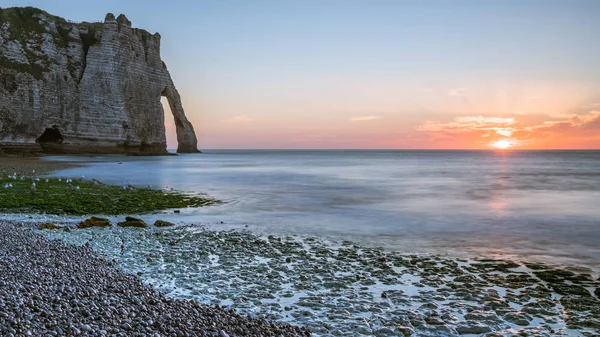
(375, 74)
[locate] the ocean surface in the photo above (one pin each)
(525, 205)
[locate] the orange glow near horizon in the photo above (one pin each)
(504, 144)
(552, 122)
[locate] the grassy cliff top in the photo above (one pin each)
(25, 26)
(27, 18)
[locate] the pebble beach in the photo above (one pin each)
(49, 288)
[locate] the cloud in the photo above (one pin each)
(457, 92)
(240, 119)
(470, 123)
(364, 118)
(592, 118)
(572, 125)
(534, 97)
(505, 132)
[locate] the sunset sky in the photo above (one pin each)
(375, 74)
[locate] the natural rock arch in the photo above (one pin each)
(102, 87)
(186, 137)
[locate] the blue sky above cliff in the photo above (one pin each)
(375, 74)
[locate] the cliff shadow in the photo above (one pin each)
(51, 140)
(51, 135)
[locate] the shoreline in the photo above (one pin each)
(342, 288)
(25, 165)
(500, 290)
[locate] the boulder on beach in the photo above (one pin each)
(48, 226)
(133, 222)
(94, 222)
(162, 223)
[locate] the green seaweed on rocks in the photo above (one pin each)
(83, 197)
(344, 289)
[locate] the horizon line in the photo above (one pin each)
(383, 149)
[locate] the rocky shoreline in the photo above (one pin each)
(344, 289)
(49, 288)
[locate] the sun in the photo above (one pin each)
(504, 143)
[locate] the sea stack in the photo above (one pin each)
(89, 87)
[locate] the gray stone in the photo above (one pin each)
(473, 328)
(161, 223)
(133, 222)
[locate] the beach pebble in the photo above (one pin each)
(49, 288)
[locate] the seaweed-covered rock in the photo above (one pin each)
(162, 223)
(570, 289)
(94, 222)
(133, 222)
(472, 327)
(554, 276)
(48, 225)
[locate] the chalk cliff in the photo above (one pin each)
(84, 87)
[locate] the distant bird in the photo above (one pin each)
(6, 186)
(76, 188)
(33, 189)
(59, 179)
(37, 179)
(32, 184)
(130, 188)
(69, 180)
(33, 171)
(82, 177)
(46, 180)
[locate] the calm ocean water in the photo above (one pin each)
(530, 205)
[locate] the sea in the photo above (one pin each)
(512, 204)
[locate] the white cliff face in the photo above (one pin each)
(98, 84)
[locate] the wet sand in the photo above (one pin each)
(25, 165)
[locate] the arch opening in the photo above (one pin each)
(169, 122)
